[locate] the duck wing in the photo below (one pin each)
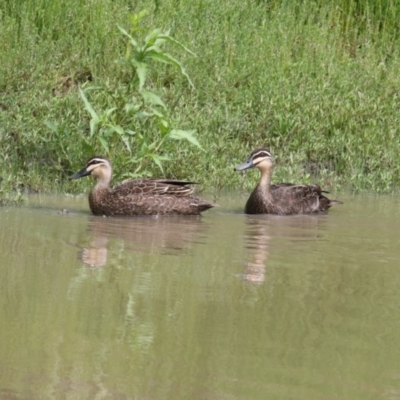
(279, 185)
(154, 187)
(300, 199)
(153, 197)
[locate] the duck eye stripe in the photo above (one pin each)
(261, 154)
(94, 162)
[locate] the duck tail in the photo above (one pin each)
(205, 205)
(335, 202)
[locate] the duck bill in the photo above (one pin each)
(80, 174)
(247, 165)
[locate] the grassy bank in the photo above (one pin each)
(316, 82)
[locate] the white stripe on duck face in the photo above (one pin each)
(260, 155)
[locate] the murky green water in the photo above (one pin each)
(222, 307)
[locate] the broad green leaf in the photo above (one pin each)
(168, 59)
(164, 126)
(88, 106)
(132, 40)
(165, 122)
(141, 70)
(118, 129)
(159, 43)
(127, 144)
(51, 125)
(136, 18)
(164, 131)
(185, 135)
(131, 107)
(152, 98)
(104, 143)
(151, 37)
(110, 111)
(156, 159)
(93, 88)
(145, 114)
(93, 126)
(133, 160)
(107, 133)
(156, 112)
(158, 55)
(165, 36)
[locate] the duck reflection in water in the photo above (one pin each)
(264, 231)
(165, 235)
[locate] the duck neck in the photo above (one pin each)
(265, 180)
(103, 179)
(102, 184)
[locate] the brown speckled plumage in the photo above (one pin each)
(139, 197)
(283, 198)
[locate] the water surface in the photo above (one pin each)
(226, 306)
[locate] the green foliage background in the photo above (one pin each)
(315, 81)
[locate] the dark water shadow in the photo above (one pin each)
(260, 232)
(154, 235)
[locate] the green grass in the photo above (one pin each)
(315, 81)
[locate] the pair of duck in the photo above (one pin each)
(168, 197)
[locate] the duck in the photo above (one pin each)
(282, 198)
(148, 196)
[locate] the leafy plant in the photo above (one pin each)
(133, 108)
